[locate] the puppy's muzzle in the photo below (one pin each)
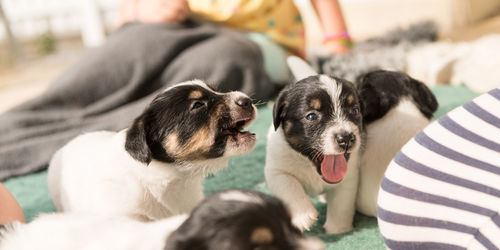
(245, 104)
(243, 112)
(345, 140)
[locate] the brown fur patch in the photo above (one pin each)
(196, 94)
(315, 103)
(350, 99)
(287, 126)
(218, 111)
(199, 143)
(172, 144)
(261, 236)
(295, 139)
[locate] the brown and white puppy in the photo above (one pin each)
(227, 220)
(155, 168)
(313, 149)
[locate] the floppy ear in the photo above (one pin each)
(279, 109)
(424, 98)
(373, 104)
(136, 144)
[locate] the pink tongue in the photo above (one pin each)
(333, 168)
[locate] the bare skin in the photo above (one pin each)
(10, 210)
(153, 11)
(176, 11)
(332, 21)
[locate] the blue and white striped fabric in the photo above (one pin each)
(442, 190)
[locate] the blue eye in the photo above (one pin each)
(197, 105)
(311, 116)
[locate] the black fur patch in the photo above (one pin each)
(173, 112)
(293, 106)
(136, 143)
(382, 90)
(217, 224)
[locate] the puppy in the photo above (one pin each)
(232, 219)
(313, 148)
(155, 168)
(396, 108)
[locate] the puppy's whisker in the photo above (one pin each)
(259, 102)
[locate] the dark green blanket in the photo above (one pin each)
(248, 172)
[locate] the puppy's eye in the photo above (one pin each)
(311, 116)
(197, 105)
(354, 111)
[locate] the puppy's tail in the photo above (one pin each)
(300, 69)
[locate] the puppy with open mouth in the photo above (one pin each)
(313, 149)
(155, 168)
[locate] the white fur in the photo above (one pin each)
(236, 195)
(334, 90)
(93, 173)
(291, 177)
(189, 83)
(407, 121)
(89, 232)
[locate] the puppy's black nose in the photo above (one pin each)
(244, 102)
(345, 140)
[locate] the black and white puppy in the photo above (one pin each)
(396, 108)
(155, 168)
(232, 219)
(313, 148)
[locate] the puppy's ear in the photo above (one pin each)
(279, 109)
(374, 105)
(136, 144)
(423, 97)
(190, 235)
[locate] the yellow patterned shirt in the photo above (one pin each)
(278, 19)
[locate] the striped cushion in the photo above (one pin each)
(442, 190)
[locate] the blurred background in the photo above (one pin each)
(40, 38)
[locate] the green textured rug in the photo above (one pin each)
(247, 172)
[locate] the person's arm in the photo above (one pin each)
(153, 11)
(10, 210)
(336, 37)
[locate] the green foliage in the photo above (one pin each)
(45, 43)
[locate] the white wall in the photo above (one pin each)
(29, 18)
(369, 18)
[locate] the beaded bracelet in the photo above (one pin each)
(342, 37)
(336, 36)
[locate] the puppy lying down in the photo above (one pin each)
(155, 168)
(231, 219)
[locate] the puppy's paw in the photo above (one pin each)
(304, 219)
(337, 229)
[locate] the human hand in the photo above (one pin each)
(154, 11)
(10, 210)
